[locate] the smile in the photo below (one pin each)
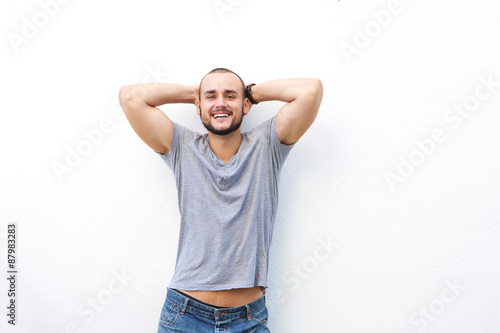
(220, 115)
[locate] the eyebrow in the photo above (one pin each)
(227, 91)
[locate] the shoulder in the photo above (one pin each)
(265, 134)
(263, 129)
(182, 136)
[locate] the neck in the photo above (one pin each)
(225, 146)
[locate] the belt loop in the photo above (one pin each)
(184, 306)
(249, 315)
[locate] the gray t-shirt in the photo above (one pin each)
(227, 210)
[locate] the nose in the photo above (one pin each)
(220, 102)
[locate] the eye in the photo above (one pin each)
(231, 96)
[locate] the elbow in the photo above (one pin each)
(129, 97)
(314, 91)
(124, 95)
(316, 87)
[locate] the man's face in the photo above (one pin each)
(222, 103)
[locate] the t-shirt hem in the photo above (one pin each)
(199, 287)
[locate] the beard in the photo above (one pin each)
(235, 124)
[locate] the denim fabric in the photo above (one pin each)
(183, 314)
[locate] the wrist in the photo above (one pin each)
(250, 95)
(194, 92)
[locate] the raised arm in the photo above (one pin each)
(140, 101)
(302, 96)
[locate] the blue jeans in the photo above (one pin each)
(184, 314)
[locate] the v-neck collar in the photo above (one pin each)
(219, 160)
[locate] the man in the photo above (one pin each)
(227, 184)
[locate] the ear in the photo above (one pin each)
(198, 110)
(246, 106)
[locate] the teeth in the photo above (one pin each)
(220, 116)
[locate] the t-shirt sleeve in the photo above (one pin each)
(280, 150)
(181, 135)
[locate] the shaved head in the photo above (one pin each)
(223, 70)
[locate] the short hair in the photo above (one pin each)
(222, 70)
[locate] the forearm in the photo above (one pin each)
(156, 94)
(285, 90)
(303, 98)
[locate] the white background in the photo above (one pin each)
(412, 224)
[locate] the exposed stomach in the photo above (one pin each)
(227, 298)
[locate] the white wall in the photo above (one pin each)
(364, 240)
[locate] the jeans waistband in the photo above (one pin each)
(189, 305)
